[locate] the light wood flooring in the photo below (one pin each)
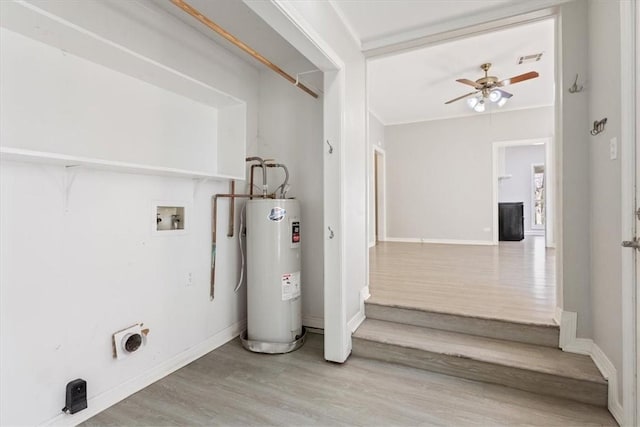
(512, 281)
(231, 386)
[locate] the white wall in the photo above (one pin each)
(518, 187)
(574, 254)
(439, 173)
(290, 123)
(603, 92)
(74, 272)
(375, 139)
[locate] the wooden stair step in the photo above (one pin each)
(546, 334)
(537, 369)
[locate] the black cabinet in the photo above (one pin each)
(511, 219)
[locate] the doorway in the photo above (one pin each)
(524, 175)
(378, 196)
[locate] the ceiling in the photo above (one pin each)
(377, 20)
(414, 85)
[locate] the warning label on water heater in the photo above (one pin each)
(290, 285)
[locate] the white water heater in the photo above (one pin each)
(274, 317)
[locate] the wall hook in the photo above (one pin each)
(330, 147)
(575, 88)
(598, 126)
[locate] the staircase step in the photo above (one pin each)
(532, 368)
(531, 333)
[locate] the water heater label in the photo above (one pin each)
(277, 214)
(290, 285)
(295, 234)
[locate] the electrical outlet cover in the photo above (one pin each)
(120, 339)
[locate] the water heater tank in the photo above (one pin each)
(274, 318)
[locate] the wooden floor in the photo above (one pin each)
(231, 386)
(513, 281)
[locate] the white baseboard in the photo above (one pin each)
(439, 241)
(359, 317)
(534, 233)
(609, 372)
(313, 322)
(356, 321)
(571, 344)
(109, 398)
(557, 316)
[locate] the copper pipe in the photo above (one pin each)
(264, 173)
(232, 209)
(228, 36)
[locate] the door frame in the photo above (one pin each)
(629, 149)
(537, 228)
(550, 175)
(289, 23)
(380, 203)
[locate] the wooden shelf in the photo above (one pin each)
(29, 156)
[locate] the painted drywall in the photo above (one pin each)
(79, 260)
(290, 131)
(573, 255)
(375, 139)
(603, 92)
(517, 187)
(439, 173)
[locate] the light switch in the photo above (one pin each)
(613, 148)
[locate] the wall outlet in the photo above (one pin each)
(613, 148)
(189, 279)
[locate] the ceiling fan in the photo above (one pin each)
(488, 87)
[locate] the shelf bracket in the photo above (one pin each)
(69, 178)
(197, 184)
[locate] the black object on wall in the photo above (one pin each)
(76, 396)
(511, 221)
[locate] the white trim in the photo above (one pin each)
(471, 113)
(571, 344)
(568, 321)
(439, 241)
(313, 322)
(535, 227)
(557, 316)
(347, 23)
(359, 317)
(356, 321)
(382, 228)
(109, 398)
(376, 115)
(534, 232)
(58, 159)
(464, 26)
(609, 372)
(496, 174)
(629, 13)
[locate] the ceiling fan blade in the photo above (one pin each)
(518, 79)
(460, 97)
(470, 83)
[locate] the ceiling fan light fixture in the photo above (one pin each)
(479, 108)
(495, 95)
(502, 101)
(472, 102)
